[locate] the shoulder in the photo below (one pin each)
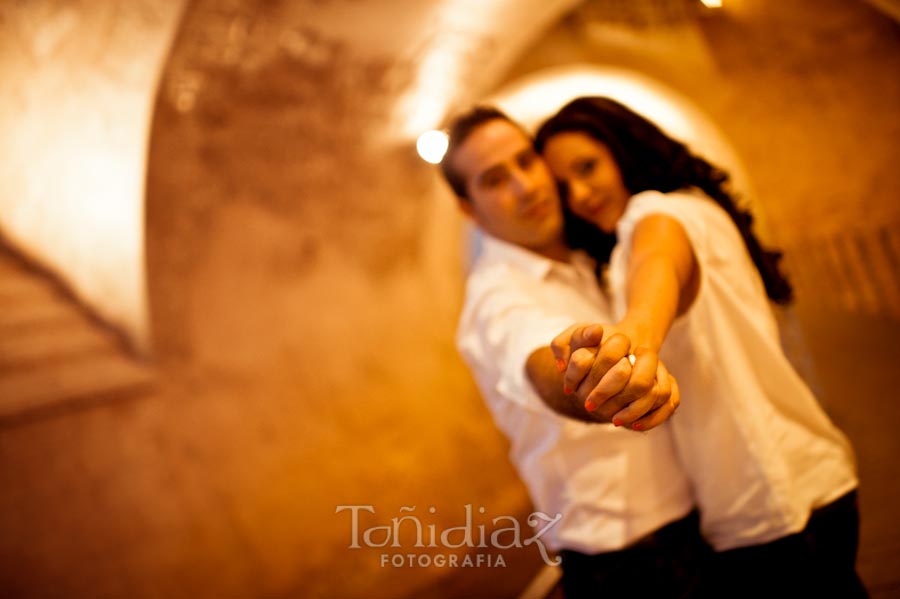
(490, 277)
(494, 288)
(679, 204)
(689, 209)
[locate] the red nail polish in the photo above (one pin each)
(617, 422)
(637, 426)
(560, 365)
(566, 390)
(589, 405)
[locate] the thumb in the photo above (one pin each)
(587, 336)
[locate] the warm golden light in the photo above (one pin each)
(432, 145)
(458, 30)
(712, 3)
(533, 98)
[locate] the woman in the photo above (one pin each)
(774, 479)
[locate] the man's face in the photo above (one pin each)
(512, 194)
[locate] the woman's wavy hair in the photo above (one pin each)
(650, 159)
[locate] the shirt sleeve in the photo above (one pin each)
(498, 333)
(684, 207)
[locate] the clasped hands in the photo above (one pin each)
(598, 372)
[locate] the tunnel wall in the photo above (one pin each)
(305, 275)
(79, 80)
(807, 94)
(305, 279)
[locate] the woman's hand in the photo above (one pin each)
(613, 382)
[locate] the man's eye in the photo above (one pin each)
(493, 179)
(586, 167)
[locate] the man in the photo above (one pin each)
(627, 523)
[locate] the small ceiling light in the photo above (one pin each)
(432, 145)
(712, 3)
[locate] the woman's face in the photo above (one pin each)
(594, 184)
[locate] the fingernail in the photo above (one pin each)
(617, 422)
(589, 405)
(638, 426)
(566, 390)
(560, 365)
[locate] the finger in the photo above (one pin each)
(611, 352)
(654, 418)
(658, 416)
(636, 409)
(587, 336)
(641, 382)
(616, 347)
(580, 363)
(613, 381)
(560, 346)
(574, 337)
(676, 393)
(651, 389)
(658, 394)
(663, 378)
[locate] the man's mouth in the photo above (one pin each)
(537, 209)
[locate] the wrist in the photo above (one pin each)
(639, 327)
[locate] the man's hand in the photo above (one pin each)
(614, 385)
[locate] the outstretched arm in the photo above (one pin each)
(663, 281)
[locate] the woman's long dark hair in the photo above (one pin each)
(650, 159)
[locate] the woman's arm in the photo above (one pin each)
(663, 281)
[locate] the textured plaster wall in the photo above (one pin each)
(78, 86)
(305, 277)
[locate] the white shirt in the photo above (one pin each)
(611, 485)
(759, 449)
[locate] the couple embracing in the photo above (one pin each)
(618, 324)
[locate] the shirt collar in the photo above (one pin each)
(536, 265)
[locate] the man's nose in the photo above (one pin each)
(524, 181)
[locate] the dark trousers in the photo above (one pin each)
(675, 561)
(666, 564)
(819, 561)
